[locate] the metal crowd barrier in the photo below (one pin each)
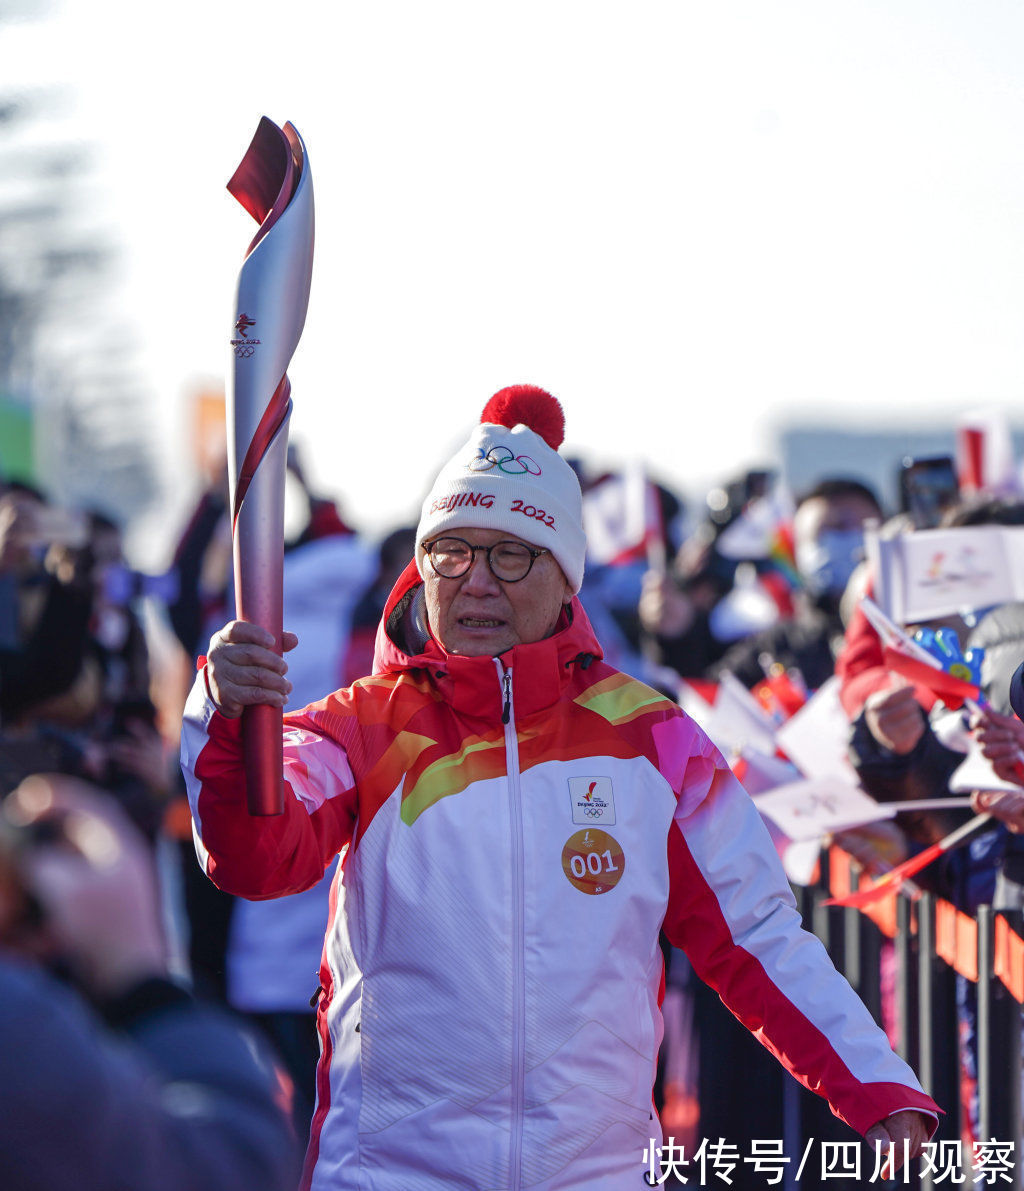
(934, 942)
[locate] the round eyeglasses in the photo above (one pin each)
(508, 561)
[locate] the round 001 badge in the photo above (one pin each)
(593, 861)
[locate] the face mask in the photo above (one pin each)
(826, 564)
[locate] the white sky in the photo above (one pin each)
(686, 219)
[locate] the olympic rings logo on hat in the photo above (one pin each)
(504, 460)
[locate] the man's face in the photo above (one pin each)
(828, 534)
(835, 514)
(477, 614)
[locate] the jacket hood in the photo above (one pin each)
(540, 670)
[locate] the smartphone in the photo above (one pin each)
(928, 487)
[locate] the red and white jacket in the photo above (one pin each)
(515, 832)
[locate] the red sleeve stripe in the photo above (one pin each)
(731, 911)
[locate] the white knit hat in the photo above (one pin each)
(510, 477)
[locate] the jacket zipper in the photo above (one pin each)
(518, 932)
(506, 686)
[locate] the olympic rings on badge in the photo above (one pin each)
(593, 812)
(504, 460)
(244, 352)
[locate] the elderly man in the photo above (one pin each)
(518, 821)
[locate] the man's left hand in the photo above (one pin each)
(908, 1125)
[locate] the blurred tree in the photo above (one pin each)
(64, 354)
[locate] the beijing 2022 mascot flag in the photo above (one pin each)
(273, 184)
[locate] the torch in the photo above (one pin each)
(273, 184)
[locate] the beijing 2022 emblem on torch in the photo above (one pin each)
(273, 184)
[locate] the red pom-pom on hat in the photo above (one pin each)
(532, 406)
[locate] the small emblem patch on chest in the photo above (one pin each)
(592, 800)
(593, 861)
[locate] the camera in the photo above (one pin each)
(121, 586)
